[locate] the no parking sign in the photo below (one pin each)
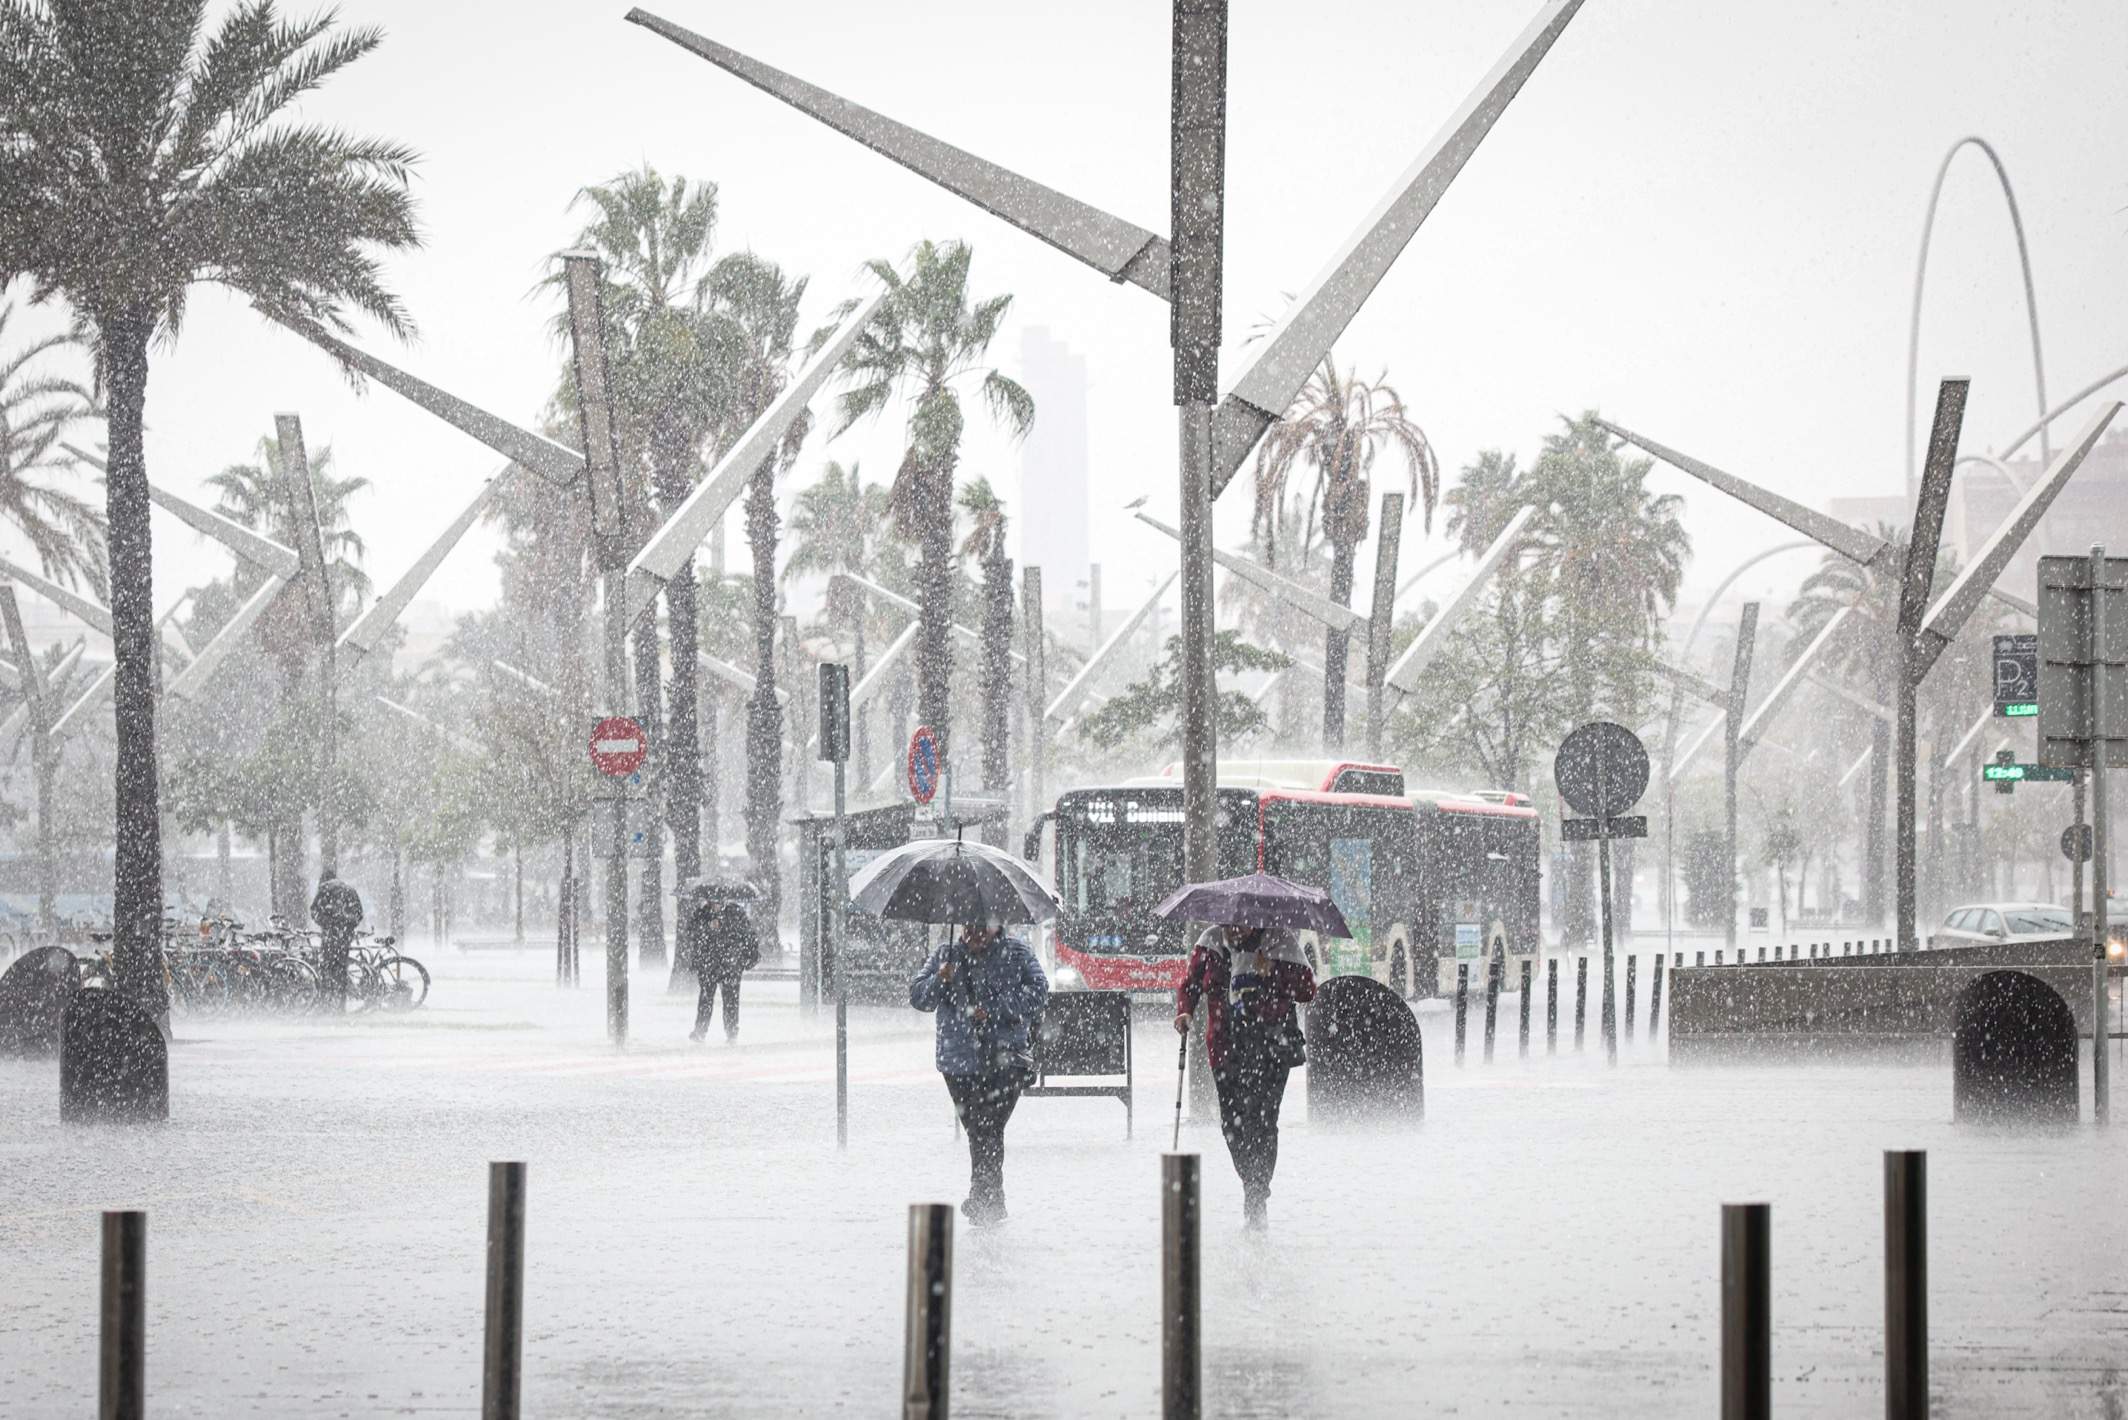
(923, 764)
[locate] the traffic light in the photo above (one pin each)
(2005, 782)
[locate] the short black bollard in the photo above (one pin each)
(121, 1381)
(502, 1356)
(1847, 949)
(1655, 998)
(1762, 954)
(1677, 959)
(1717, 956)
(1523, 1032)
(1581, 998)
(1180, 1367)
(1699, 958)
(1632, 972)
(1462, 1004)
(1905, 1284)
(927, 1337)
(1747, 1311)
(1494, 971)
(1551, 1006)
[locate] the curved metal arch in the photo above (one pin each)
(2024, 263)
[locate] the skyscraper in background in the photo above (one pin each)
(1052, 516)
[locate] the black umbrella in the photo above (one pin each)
(1258, 900)
(945, 880)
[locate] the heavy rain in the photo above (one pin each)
(680, 735)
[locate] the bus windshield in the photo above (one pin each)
(1119, 854)
(1123, 874)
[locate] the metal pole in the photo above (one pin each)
(1382, 617)
(1495, 970)
(1037, 699)
(1905, 1284)
(1200, 742)
(121, 1381)
(1747, 1311)
(1180, 1366)
(1522, 1034)
(2094, 700)
(1581, 999)
(617, 866)
(1747, 629)
(839, 903)
(502, 1355)
(1462, 1005)
(1551, 1006)
(927, 1341)
(1655, 997)
(1610, 999)
(1632, 969)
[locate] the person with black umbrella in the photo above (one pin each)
(986, 989)
(1250, 974)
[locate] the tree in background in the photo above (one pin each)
(926, 339)
(838, 525)
(142, 157)
(1338, 426)
(985, 545)
(1145, 716)
(39, 410)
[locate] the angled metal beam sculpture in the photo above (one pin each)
(1403, 674)
(1317, 606)
(526, 679)
(1747, 632)
(448, 736)
(19, 716)
(896, 599)
(557, 463)
(367, 631)
(1077, 688)
(260, 551)
(669, 548)
(1755, 723)
(737, 679)
(97, 616)
(98, 690)
(193, 678)
(875, 676)
(1381, 619)
(42, 761)
(1965, 741)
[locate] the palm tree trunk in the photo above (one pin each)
(1336, 643)
(137, 868)
(224, 872)
(712, 777)
(649, 695)
(46, 764)
(764, 719)
(862, 730)
(997, 670)
(683, 778)
(935, 574)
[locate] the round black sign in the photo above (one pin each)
(1601, 769)
(2076, 843)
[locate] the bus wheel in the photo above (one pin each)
(1399, 974)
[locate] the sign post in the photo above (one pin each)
(835, 748)
(2083, 725)
(1602, 770)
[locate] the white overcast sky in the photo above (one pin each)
(1702, 218)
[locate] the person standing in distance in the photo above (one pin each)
(986, 988)
(337, 909)
(724, 952)
(1250, 979)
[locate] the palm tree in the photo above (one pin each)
(1338, 425)
(985, 543)
(139, 161)
(671, 384)
(926, 339)
(37, 411)
(753, 309)
(836, 526)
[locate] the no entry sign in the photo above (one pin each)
(618, 746)
(923, 764)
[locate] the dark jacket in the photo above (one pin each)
(337, 909)
(725, 947)
(1209, 977)
(1005, 982)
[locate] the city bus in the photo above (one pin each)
(1427, 879)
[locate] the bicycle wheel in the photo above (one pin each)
(403, 983)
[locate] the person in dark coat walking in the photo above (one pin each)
(337, 909)
(725, 950)
(1250, 980)
(986, 988)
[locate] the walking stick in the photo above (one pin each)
(1182, 1065)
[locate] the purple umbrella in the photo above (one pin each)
(1258, 900)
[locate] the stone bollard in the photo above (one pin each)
(114, 1064)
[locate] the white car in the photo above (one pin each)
(1984, 922)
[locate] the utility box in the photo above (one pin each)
(2083, 690)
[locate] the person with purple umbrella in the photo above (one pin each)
(1250, 979)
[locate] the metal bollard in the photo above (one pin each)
(1655, 998)
(1762, 954)
(502, 1354)
(1847, 949)
(1677, 959)
(1462, 1004)
(122, 1353)
(1581, 998)
(927, 1337)
(1523, 1032)
(1551, 1006)
(1747, 1311)
(1699, 958)
(1494, 971)
(1632, 972)
(1718, 956)
(1905, 1284)
(1180, 1366)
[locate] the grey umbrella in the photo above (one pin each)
(946, 880)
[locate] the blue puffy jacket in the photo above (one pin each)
(1005, 982)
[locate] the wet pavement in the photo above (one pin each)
(1544, 1244)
